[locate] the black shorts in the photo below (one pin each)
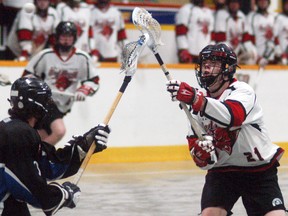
(260, 192)
(53, 114)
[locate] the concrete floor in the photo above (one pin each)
(146, 189)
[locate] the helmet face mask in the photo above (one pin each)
(218, 56)
(63, 31)
(30, 97)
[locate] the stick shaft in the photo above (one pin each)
(194, 124)
(257, 79)
(92, 148)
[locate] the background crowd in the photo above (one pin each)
(257, 35)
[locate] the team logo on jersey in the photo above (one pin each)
(39, 38)
(63, 78)
(204, 25)
(80, 26)
(223, 138)
(268, 32)
(106, 27)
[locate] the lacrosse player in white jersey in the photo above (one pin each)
(236, 150)
(79, 13)
(108, 27)
(260, 33)
(281, 32)
(32, 32)
(71, 75)
(231, 28)
(194, 24)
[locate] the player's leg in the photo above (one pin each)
(214, 211)
(219, 194)
(14, 207)
(52, 128)
(262, 194)
(58, 131)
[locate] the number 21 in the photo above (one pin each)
(249, 155)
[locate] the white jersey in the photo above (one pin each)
(229, 30)
(199, 23)
(260, 27)
(31, 32)
(281, 31)
(81, 17)
(108, 29)
(239, 145)
(63, 76)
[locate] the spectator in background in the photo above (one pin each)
(78, 12)
(281, 32)
(260, 33)
(71, 75)
(194, 24)
(8, 12)
(231, 28)
(32, 31)
(108, 27)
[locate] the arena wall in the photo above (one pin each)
(146, 125)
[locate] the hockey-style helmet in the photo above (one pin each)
(30, 97)
(219, 52)
(65, 28)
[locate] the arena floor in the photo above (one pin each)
(147, 189)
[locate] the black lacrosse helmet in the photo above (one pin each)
(65, 28)
(219, 52)
(30, 97)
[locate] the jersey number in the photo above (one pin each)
(249, 155)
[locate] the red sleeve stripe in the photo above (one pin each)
(246, 37)
(181, 30)
(219, 36)
(24, 34)
(121, 35)
(237, 111)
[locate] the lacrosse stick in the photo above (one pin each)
(257, 79)
(63, 93)
(147, 24)
(4, 80)
(130, 55)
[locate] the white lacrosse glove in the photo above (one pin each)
(80, 96)
(203, 151)
(173, 87)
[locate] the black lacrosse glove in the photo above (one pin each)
(73, 192)
(99, 134)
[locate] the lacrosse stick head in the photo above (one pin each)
(144, 21)
(131, 53)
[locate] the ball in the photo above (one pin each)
(29, 7)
